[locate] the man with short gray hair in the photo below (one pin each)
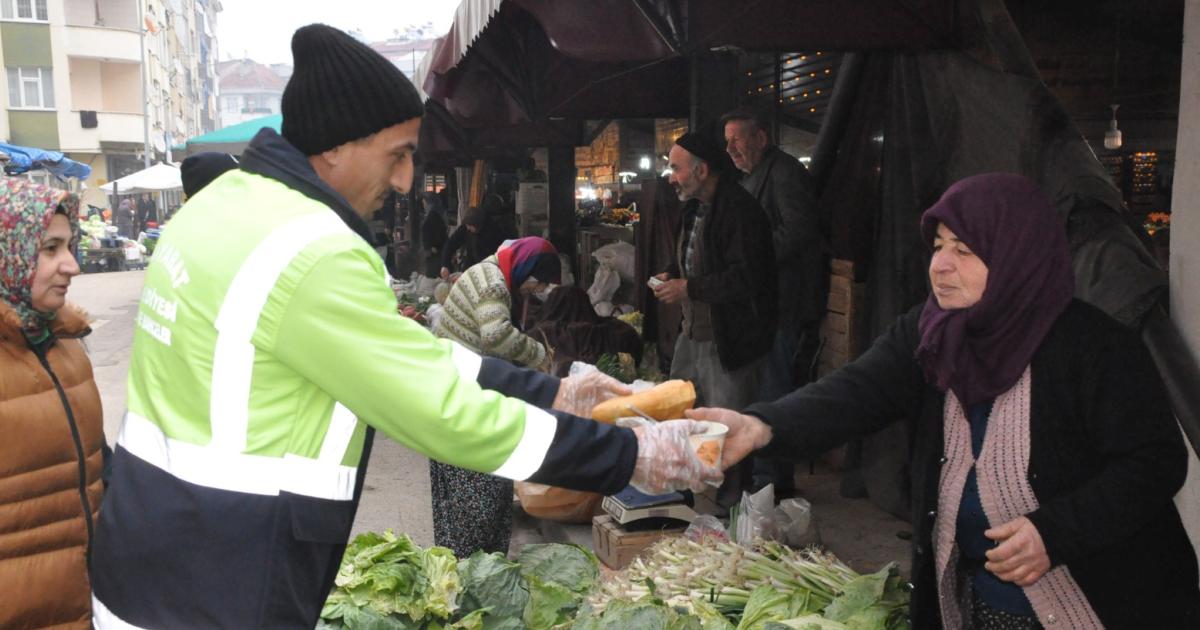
(782, 186)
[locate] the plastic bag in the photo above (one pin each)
(605, 284)
(427, 286)
(434, 314)
(620, 256)
(756, 517)
(797, 526)
(557, 504)
(565, 263)
(706, 527)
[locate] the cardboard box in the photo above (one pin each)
(616, 547)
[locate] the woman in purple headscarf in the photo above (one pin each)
(1044, 454)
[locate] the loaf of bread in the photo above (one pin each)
(665, 401)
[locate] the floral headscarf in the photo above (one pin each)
(26, 209)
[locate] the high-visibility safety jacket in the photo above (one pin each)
(266, 342)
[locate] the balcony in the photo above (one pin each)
(113, 130)
(106, 44)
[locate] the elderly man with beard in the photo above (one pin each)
(724, 276)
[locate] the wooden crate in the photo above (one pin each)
(616, 547)
(842, 328)
(843, 332)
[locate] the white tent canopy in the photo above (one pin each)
(157, 178)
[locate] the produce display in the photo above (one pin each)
(388, 582)
(619, 366)
(767, 587)
(414, 307)
(665, 401)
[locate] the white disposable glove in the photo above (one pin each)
(579, 394)
(666, 460)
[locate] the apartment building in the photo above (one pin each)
(250, 89)
(74, 77)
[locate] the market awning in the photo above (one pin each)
(516, 61)
(24, 159)
(157, 178)
(234, 138)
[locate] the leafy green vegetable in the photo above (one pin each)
(387, 582)
(441, 571)
(710, 617)
(570, 566)
(491, 582)
(767, 604)
(859, 594)
(550, 604)
(807, 622)
(647, 613)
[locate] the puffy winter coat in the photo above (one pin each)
(50, 465)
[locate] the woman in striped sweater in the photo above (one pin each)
(473, 511)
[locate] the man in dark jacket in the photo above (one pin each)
(725, 278)
(433, 234)
(783, 188)
(479, 236)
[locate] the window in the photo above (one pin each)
(24, 10)
(231, 105)
(30, 88)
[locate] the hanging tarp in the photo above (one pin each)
(25, 159)
(537, 59)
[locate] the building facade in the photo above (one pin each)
(74, 79)
(250, 89)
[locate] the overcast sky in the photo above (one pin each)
(262, 29)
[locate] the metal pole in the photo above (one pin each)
(170, 115)
(145, 92)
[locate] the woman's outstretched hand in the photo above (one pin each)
(746, 433)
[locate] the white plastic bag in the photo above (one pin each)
(797, 525)
(605, 285)
(619, 256)
(756, 517)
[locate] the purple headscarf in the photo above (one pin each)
(981, 351)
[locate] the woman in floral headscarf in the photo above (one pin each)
(51, 456)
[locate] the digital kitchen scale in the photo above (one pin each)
(629, 506)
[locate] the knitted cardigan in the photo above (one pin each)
(478, 316)
(1006, 495)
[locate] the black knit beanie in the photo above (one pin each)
(341, 91)
(198, 171)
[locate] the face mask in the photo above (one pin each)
(545, 294)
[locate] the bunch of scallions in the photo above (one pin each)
(767, 581)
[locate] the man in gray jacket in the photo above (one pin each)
(783, 188)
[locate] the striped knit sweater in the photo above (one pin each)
(478, 316)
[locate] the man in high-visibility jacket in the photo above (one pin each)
(267, 343)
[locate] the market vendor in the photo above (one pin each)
(723, 275)
(481, 233)
(1045, 455)
(472, 511)
(268, 344)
